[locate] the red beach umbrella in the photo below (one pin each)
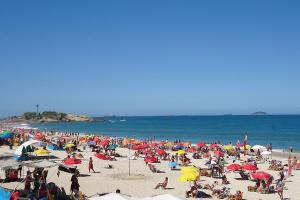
(161, 152)
(192, 150)
(261, 175)
(250, 167)
(151, 159)
(102, 156)
(104, 142)
(72, 161)
(234, 167)
(218, 153)
(212, 146)
(39, 136)
(96, 139)
(201, 144)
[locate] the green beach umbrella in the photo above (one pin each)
(6, 135)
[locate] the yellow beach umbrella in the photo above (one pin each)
(41, 151)
(228, 147)
(187, 177)
(69, 145)
(247, 147)
(181, 152)
(190, 169)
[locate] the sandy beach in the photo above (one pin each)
(142, 181)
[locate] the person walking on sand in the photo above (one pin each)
(289, 166)
(91, 166)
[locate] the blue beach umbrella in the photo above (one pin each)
(91, 143)
(6, 135)
(172, 164)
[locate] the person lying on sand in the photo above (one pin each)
(163, 185)
(224, 180)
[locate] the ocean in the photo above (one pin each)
(283, 131)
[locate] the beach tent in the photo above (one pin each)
(18, 151)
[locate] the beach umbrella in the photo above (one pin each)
(112, 146)
(72, 161)
(218, 153)
(151, 159)
(181, 152)
(104, 142)
(161, 152)
(91, 143)
(6, 135)
(249, 167)
(192, 150)
(234, 167)
(247, 147)
(102, 156)
(96, 139)
(190, 169)
(259, 147)
(173, 164)
(69, 145)
(261, 176)
(41, 151)
(201, 144)
(266, 153)
(188, 177)
(19, 150)
(39, 136)
(228, 147)
(212, 146)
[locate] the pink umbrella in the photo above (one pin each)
(249, 167)
(72, 161)
(261, 176)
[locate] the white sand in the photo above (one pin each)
(142, 180)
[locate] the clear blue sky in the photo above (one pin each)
(150, 57)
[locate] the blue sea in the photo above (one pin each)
(282, 131)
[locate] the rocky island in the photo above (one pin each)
(49, 116)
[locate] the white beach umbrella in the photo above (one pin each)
(266, 153)
(112, 196)
(18, 151)
(259, 147)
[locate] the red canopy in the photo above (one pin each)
(161, 152)
(201, 144)
(219, 153)
(250, 167)
(261, 176)
(151, 159)
(72, 161)
(234, 167)
(102, 156)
